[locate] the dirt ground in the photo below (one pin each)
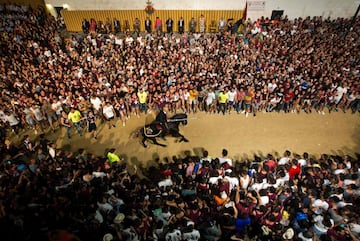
(335, 133)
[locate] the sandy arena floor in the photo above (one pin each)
(335, 133)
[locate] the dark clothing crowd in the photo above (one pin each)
(291, 66)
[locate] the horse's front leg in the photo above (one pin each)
(143, 141)
(156, 142)
(182, 138)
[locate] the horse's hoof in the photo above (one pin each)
(186, 140)
(145, 146)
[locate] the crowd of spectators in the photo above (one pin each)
(53, 194)
(291, 66)
(300, 65)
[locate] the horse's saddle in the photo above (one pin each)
(158, 127)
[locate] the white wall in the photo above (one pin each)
(157, 4)
(292, 8)
(304, 8)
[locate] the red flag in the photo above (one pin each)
(244, 16)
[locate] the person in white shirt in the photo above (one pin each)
(57, 107)
(285, 159)
(109, 114)
(214, 180)
(319, 205)
(29, 118)
(173, 235)
(340, 91)
(322, 224)
(2, 116)
(129, 40)
(191, 234)
(104, 207)
(303, 161)
(222, 25)
(233, 180)
(224, 160)
(274, 101)
(245, 180)
(232, 98)
(210, 101)
(165, 183)
(96, 104)
(272, 86)
(12, 120)
(186, 100)
(258, 185)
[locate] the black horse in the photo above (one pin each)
(154, 130)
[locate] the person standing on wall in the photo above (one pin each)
(169, 25)
(85, 26)
(202, 24)
(137, 26)
(222, 25)
(92, 27)
(116, 25)
(181, 24)
(148, 25)
(192, 25)
(158, 24)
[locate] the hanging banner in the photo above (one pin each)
(255, 5)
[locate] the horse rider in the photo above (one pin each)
(161, 118)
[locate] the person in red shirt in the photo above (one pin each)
(270, 163)
(294, 170)
(288, 99)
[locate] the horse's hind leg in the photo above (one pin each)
(157, 143)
